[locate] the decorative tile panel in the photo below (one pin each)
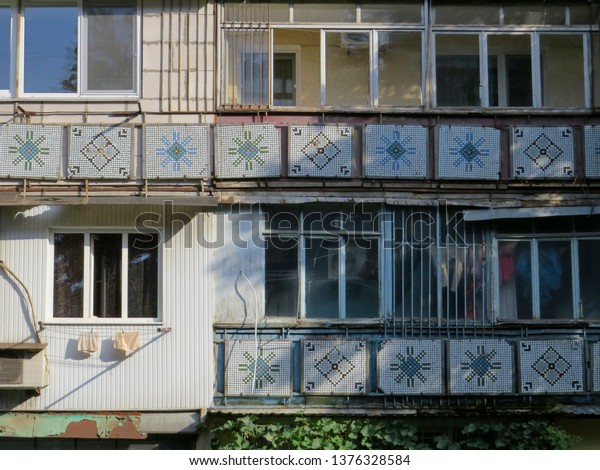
(173, 152)
(410, 367)
(596, 367)
(248, 151)
(481, 366)
(551, 366)
(592, 151)
(321, 151)
(30, 151)
(542, 152)
(258, 371)
(468, 153)
(395, 151)
(99, 152)
(334, 367)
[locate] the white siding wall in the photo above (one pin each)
(170, 371)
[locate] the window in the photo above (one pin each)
(411, 265)
(375, 54)
(105, 275)
(322, 264)
(6, 41)
(76, 48)
(548, 278)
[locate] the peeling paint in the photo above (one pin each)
(82, 426)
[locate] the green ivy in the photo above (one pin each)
(302, 433)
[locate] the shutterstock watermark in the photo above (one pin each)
(256, 225)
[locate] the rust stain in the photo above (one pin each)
(127, 428)
(84, 429)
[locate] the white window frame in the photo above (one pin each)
(284, 49)
(81, 62)
(12, 48)
(341, 237)
(88, 301)
(534, 240)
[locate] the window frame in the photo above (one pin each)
(428, 29)
(18, 56)
(12, 48)
(88, 300)
(342, 237)
(534, 239)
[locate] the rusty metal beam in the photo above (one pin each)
(66, 425)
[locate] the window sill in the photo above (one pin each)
(69, 99)
(101, 322)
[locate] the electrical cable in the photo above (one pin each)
(255, 329)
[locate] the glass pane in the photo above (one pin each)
(324, 218)
(399, 62)
(111, 47)
(5, 19)
(514, 275)
(50, 59)
(415, 283)
(509, 70)
(362, 278)
(142, 276)
(242, 11)
(585, 14)
(457, 70)
(595, 51)
(589, 273)
(106, 250)
(556, 290)
(68, 275)
(562, 70)
(391, 13)
(305, 45)
(325, 12)
(247, 68)
(347, 69)
(475, 14)
(322, 278)
(281, 277)
(529, 14)
(284, 79)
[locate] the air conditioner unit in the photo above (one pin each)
(360, 40)
(23, 366)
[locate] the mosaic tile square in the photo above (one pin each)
(248, 151)
(551, 366)
(320, 151)
(410, 367)
(30, 151)
(468, 153)
(99, 152)
(595, 349)
(592, 151)
(173, 152)
(481, 366)
(334, 367)
(542, 152)
(262, 371)
(395, 151)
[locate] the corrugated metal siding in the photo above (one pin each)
(170, 371)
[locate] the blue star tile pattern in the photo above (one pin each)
(592, 151)
(176, 152)
(542, 152)
(334, 367)
(551, 366)
(30, 151)
(468, 153)
(395, 151)
(410, 367)
(258, 371)
(99, 152)
(481, 367)
(320, 151)
(248, 151)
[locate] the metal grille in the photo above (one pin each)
(11, 370)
